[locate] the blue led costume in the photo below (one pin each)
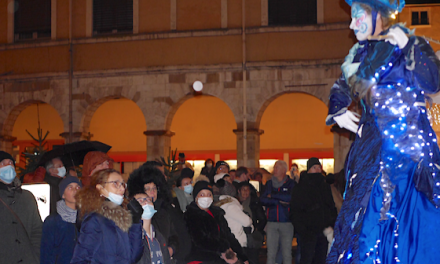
(390, 213)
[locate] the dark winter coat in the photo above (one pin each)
(210, 236)
(210, 173)
(58, 240)
(164, 223)
(54, 183)
(108, 236)
(146, 257)
(312, 205)
(18, 244)
(275, 210)
(259, 219)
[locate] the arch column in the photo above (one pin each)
(158, 143)
(6, 143)
(341, 145)
(252, 145)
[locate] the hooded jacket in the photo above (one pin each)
(210, 235)
(275, 210)
(312, 205)
(108, 236)
(18, 244)
(235, 217)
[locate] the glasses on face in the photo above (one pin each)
(118, 184)
(153, 189)
(144, 200)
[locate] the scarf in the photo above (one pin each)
(183, 198)
(277, 184)
(246, 206)
(66, 213)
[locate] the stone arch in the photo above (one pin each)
(9, 122)
(175, 107)
(91, 109)
(320, 94)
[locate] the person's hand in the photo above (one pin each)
(284, 203)
(328, 233)
(348, 121)
(246, 262)
(268, 196)
(136, 210)
(171, 251)
(229, 256)
(396, 36)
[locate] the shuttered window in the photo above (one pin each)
(419, 18)
(112, 16)
(292, 12)
(32, 19)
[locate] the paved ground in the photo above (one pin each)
(263, 255)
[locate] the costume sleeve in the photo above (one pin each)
(89, 240)
(137, 246)
(47, 252)
(424, 64)
(340, 99)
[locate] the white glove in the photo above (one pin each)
(347, 120)
(328, 232)
(396, 36)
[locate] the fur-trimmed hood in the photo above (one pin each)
(117, 214)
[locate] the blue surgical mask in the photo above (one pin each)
(7, 174)
(115, 198)
(188, 188)
(62, 172)
(149, 211)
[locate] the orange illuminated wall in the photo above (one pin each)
(204, 124)
(295, 123)
(121, 124)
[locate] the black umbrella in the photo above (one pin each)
(73, 154)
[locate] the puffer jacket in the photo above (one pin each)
(235, 217)
(272, 198)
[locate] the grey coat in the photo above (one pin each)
(18, 244)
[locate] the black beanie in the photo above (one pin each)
(311, 162)
(187, 173)
(66, 181)
(201, 185)
(6, 155)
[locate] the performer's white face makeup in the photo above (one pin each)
(361, 22)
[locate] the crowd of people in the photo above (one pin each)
(216, 217)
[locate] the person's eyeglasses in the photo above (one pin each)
(118, 184)
(147, 190)
(144, 200)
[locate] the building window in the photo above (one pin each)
(32, 19)
(292, 12)
(112, 16)
(419, 18)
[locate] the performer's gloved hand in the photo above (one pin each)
(348, 121)
(396, 36)
(136, 210)
(328, 233)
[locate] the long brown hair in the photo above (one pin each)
(89, 199)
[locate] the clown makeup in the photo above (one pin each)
(361, 22)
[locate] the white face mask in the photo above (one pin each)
(204, 202)
(61, 172)
(115, 198)
(149, 211)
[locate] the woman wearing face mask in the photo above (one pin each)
(110, 233)
(212, 240)
(155, 246)
(183, 192)
(389, 213)
(209, 170)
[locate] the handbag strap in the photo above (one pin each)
(15, 215)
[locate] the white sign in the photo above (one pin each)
(41, 192)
